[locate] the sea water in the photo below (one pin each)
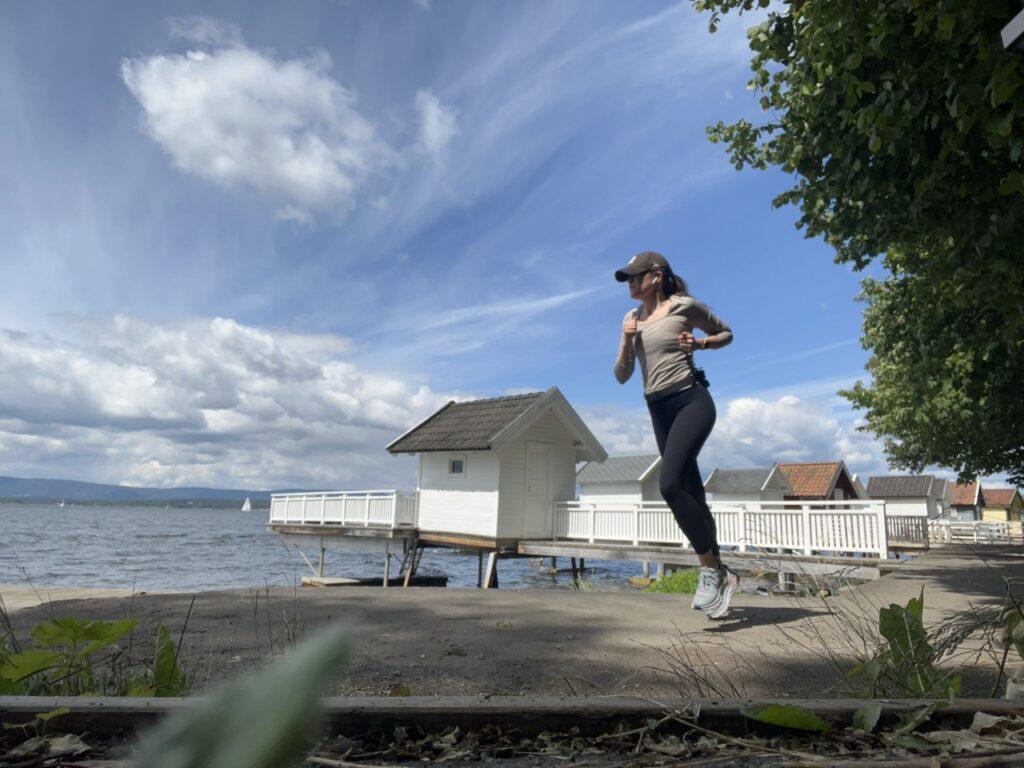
(153, 548)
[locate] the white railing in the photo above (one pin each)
(387, 509)
(853, 526)
(907, 529)
(975, 532)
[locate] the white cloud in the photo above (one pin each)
(212, 402)
(240, 117)
(752, 432)
(621, 431)
(437, 124)
(755, 433)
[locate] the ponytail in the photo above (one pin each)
(672, 284)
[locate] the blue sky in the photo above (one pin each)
(248, 243)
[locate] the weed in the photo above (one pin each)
(79, 657)
(682, 582)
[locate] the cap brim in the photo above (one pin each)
(622, 275)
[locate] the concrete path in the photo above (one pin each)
(454, 641)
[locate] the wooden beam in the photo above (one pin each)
(415, 552)
(359, 532)
(491, 576)
(466, 541)
(355, 715)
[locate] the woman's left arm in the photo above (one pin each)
(700, 316)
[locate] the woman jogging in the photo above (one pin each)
(659, 333)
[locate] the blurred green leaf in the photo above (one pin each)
(866, 718)
(262, 721)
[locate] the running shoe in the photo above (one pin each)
(726, 582)
(707, 589)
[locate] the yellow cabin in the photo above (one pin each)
(1002, 505)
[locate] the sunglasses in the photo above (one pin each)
(640, 275)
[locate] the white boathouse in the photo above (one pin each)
(620, 480)
(743, 485)
(491, 471)
(912, 495)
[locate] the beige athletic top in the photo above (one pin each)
(665, 367)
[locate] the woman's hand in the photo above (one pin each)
(629, 325)
(687, 343)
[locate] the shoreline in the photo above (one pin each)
(18, 597)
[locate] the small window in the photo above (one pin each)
(457, 466)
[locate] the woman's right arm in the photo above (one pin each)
(626, 359)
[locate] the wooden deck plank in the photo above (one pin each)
(854, 567)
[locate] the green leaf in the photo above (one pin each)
(262, 721)
(81, 636)
(1012, 184)
(787, 716)
(866, 718)
(875, 143)
(11, 688)
(19, 666)
(167, 677)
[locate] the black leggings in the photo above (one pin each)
(682, 422)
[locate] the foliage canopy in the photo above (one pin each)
(902, 124)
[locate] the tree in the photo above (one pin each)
(902, 124)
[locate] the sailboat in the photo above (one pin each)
(247, 505)
(61, 504)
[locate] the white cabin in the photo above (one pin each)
(493, 470)
(911, 495)
(743, 485)
(626, 479)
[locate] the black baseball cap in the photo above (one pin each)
(642, 262)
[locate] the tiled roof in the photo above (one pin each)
(616, 469)
(900, 486)
(999, 497)
(964, 494)
(468, 426)
(737, 480)
(812, 480)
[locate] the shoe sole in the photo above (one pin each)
(720, 607)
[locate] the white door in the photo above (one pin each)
(537, 514)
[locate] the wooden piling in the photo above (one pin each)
(491, 577)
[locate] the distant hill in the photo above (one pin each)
(73, 490)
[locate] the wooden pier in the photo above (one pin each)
(854, 538)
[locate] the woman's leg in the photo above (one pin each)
(695, 486)
(679, 480)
